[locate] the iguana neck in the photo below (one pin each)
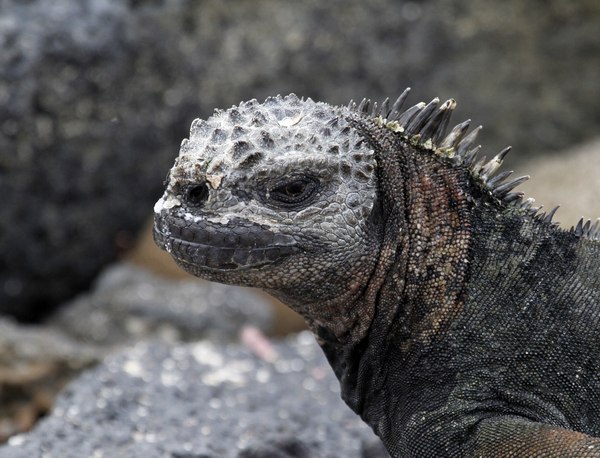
(418, 284)
(416, 344)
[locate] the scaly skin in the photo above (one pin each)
(459, 320)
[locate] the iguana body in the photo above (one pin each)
(459, 320)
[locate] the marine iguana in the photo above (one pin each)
(458, 317)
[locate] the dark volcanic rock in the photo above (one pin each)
(129, 304)
(35, 363)
(95, 96)
(203, 400)
(85, 138)
(126, 305)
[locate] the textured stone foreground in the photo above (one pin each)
(203, 400)
(126, 305)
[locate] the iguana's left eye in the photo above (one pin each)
(293, 191)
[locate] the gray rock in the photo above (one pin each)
(35, 363)
(129, 304)
(85, 139)
(568, 178)
(95, 96)
(126, 305)
(203, 400)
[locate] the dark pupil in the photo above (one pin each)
(197, 194)
(294, 192)
(295, 189)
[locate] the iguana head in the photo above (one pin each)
(324, 206)
(281, 195)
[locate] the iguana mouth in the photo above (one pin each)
(239, 245)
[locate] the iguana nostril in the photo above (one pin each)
(196, 195)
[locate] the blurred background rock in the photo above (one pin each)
(96, 95)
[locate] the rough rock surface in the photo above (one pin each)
(84, 132)
(35, 363)
(203, 400)
(129, 304)
(95, 96)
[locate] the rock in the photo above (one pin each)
(203, 400)
(86, 137)
(129, 304)
(95, 96)
(126, 305)
(35, 363)
(568, 178)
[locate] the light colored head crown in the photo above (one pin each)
(252, 136)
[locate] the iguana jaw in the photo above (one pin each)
(300, 269)
(210, 249)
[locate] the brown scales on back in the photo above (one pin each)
(459, 319)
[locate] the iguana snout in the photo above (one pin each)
(234, 246)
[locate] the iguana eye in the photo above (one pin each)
(293, 191)
(196, 195)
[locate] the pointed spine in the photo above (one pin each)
(504, 188)
(419, 121)
(595, 230)
(512, 197)
(384, 111)
(363, 106)
(397, 106)
(435, 127)
(408, 115)
(465, 144)
(491, 167)
(496, 180)
(471, 156)
(578, 230)
(455, 135)
(375, 110)
(550, 215)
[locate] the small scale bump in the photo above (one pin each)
(218, 136)
(345, 169)
(319, 114)
(278, 113)
(258, 119)
(237, 132)
(251, 160)
(272, 254)
(352, 200)
(240, 257)
(239, 149)
(256, 256)
(200, 127)
(326, 132)
(234, 115)
(360, 175)
(266, 141)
